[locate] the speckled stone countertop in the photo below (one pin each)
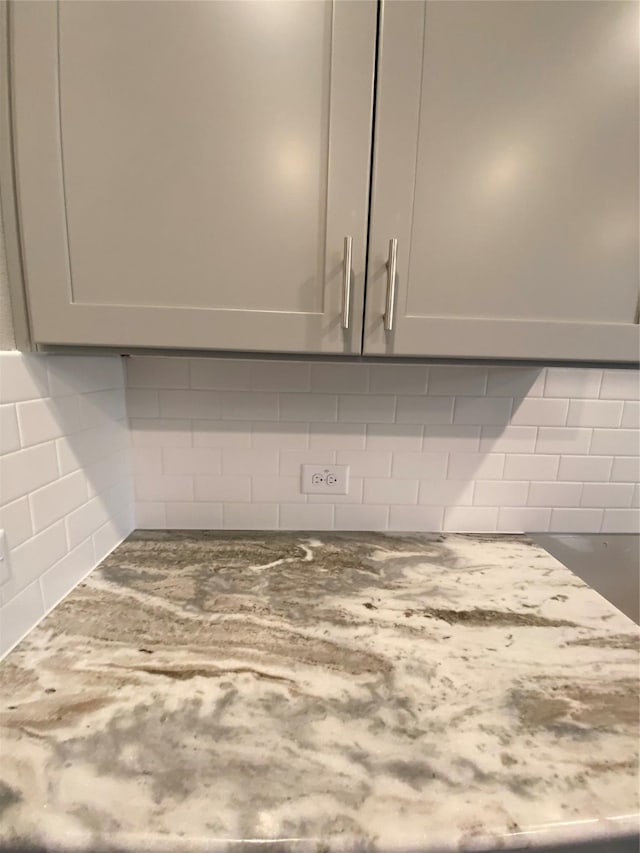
(206, 691)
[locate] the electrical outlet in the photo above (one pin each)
(5, 566)
(325, 479)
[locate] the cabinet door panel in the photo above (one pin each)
(204, 161)
(516, 211)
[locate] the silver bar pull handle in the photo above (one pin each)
(392, 263)
(346, 282)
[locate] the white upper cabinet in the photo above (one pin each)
(506, 168)
(188, 172)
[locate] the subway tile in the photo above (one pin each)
(31, 559)
(571, 382)
(57, 499)
(378, 490)
(422, 519)
(621, 521)
(277, 490)
(222, 374)
(157, 372)
(604, 495)
(585, 468)
(306, 517)
(451, 438)
(576, 520)
(19, 616)
(74, 374)
(110, 535)
(22, 377)
(308, 407)
(164, 488)
(250, 516)
(508, 439)
(620, 385)
(191, 460)
(142, 403)
(594, 413)
(394, 437)
(83, 522)
(472, 466)
(523, 519)
(616, 442)
(516, 382)
(366, 463)
(43, 420)
(555, 494)
(631, 415)
(421, 466)
(626, 469)
(540, 412)
(147, 461)
(64, 575)
(250, 406)
(249, 462)
(470, 519)
(424, 410)
(498, 493)
(291, 461)
(100, 407)
(9, 436)
(280, 435)
(193, 516)
(468, 381)
(355, 517)
(398, 378)
(15, 520)
(150, 515)
(339, 378)
(563, 440)
(354, 495)
(215, 489)
(367, 408)
(534, 467)
(161, 432)
(280, 376)
(187, 403)
(446, 493)
(107, 472)
(91, 445)
(338, 436)
(480, 411)
(25, 470)
(234, 434)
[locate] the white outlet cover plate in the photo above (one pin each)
(325, 479)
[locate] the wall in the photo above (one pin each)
(7, 338)
(219, 443)
(65, 478)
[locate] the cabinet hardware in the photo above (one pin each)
(346, 282)
(391, 284)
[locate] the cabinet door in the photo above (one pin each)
(188, 171)
(506, 166)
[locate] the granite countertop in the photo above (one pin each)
(204, 691)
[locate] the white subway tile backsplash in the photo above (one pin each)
(471, 466)
(500, 493)
(223, 489)
(306, 517)
(57, 500)
(404, 437)
(446, 493)
(19, 615)
(188, 403)
(422, 466)
(616, 442)
(621, 521)
(81, 523)
(279, 489)
(193, 516)
(100, 406)
(424, 410)
(360, 517)
(250, 406)
(268, 435)
(250, 516)
(70, 374)
(461, 381)
(480, 411)
(280, 376)
(221, 374)
(291, 461)
(366, 408)
(626, 469)
(30, 560)
(164, 487)
(369, 463)
(563, 440)
(234, 434)
(631, 415)
(250, 462)
(620, 385)
(575, 520)
(142, 403)
(15, 519)
(540, 412)
(25, 470)
(409, 518)
(161, 432)
(338, 436)
(151, 515)
(605, 495)
(66, 573)
(147, 461)
(9, 436)
(452, 438)
(190, 460)
(530, 467)
(398, 378)
(22, 377)
(308, 407)
(339, 378)
(595, 413)
(571, 382)
(157, 372)
(470, 519)
(509, 439)
(555, 494)
(43, 420)
(523, 519)
(516, 382)
(582, 469)
(382, 490)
